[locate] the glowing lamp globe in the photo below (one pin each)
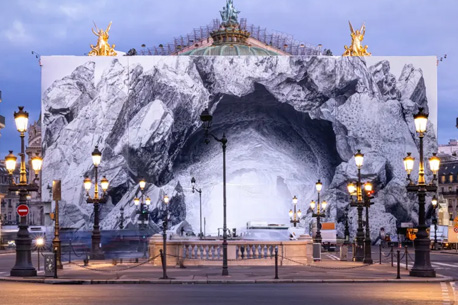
(21, 119)
(421, 121)
(96, 156)
(10, 162)
(434, 163)
(87, 184)
(104, 182)
(409, 163)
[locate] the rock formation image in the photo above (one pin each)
(289, 121)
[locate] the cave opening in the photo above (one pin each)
(274, 152)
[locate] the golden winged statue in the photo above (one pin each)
(102, 48)
(356, 49)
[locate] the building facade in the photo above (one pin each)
(448, 185)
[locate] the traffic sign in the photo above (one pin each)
(22, 210)
(455, 229)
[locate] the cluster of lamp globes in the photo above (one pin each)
(21, 119)
(96, 159)
(322, 206)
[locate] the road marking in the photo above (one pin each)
(446, 265)
(445, 294)
(333, 257)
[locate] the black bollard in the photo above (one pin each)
(399, 265)
(392, 254)
(380, 253)
(276, 263)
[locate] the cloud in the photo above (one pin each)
(17, 33)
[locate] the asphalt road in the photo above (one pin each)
(273, 294)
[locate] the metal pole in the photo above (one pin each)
(225, 267)
(367, 240)
(399, 265)
(358, 256)
(380, 253)
(38, 258)
(276, 262)
(164, 245)
(392, 254)
(318, 238)
(56, 241)
(55, 263)
(70, 252)
(200, 200)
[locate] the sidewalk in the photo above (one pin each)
(103, 272)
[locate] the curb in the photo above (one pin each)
(219, 281)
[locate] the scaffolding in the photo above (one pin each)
(202, 35)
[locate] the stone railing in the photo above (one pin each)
(240, 252)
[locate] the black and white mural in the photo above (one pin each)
(289, 122)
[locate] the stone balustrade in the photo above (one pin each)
(195, 252)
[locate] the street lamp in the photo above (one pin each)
(164, 238)
(96, 250)
(295, 217)
(198, 190)
(320, 212)
(207, 118)
(23, 265)
(422, 264)
(143, 203)
(363, 196)
(434, 204)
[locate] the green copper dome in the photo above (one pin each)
(231, 50)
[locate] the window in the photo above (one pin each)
(9, 203)
(450, 178)
(9, 216)
(443, 179)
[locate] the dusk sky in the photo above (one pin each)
(417, 28)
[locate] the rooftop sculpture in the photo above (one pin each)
(356, 49)
(102, 48)
(229, 14)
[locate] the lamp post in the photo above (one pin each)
(143, 215)
(367, 197)
(96, 250)
(23, 265)
(422, 264)
(364, 196)
(434, 204)
(164, 238)
(194, 189)
(207, 118)
(355, 189)
(320, 212)
(295, 217)
(347, 229)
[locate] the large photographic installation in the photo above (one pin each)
(289, 121)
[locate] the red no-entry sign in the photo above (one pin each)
(22, 210)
